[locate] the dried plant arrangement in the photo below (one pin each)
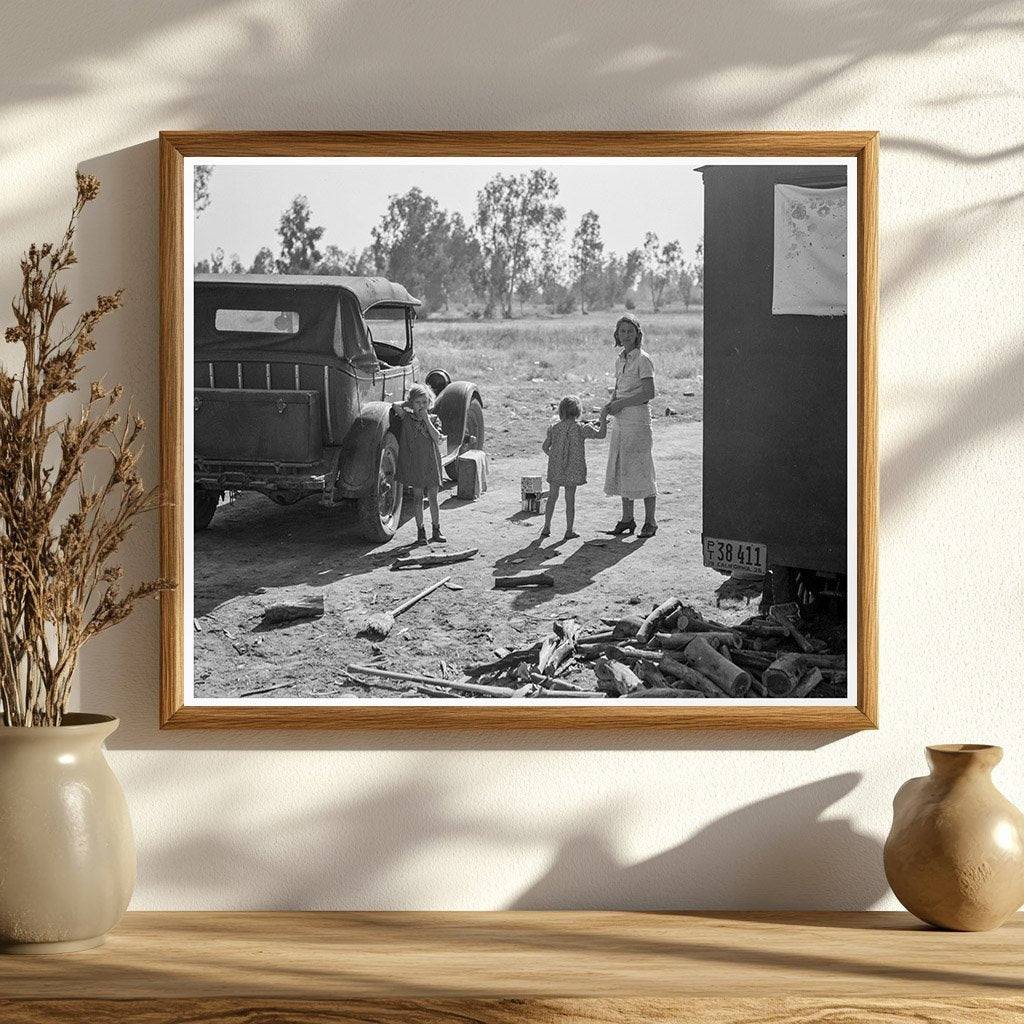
(58, 530)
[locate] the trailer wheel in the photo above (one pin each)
(474, 430)
(380, 511)
(204, 505)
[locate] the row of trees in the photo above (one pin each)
(516, 250)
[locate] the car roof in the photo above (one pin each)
(367, 291)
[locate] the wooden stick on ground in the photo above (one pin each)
(540, 579)
(454, 684)
(426, 561)
(662, 692)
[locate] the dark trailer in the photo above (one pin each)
(775, 381)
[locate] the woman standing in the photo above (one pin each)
(631, 441)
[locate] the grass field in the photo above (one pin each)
(524, 366)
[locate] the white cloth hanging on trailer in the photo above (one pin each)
(810, 268)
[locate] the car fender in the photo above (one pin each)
(360, 450)
(452, 406)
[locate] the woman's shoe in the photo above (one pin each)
(421, 535)
(436, 537)
(624, 526)
(648, 529)
(545, 532)
(571, 535)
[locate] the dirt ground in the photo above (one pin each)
(256, 554)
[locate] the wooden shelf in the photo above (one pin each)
(506, 968)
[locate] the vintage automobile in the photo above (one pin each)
(294, 379)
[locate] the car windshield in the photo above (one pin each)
(388, 326)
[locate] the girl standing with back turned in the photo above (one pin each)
(567, 462)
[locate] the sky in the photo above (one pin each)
(348, 196)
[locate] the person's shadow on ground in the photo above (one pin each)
(576, 572)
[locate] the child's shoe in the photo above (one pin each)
(436, 536)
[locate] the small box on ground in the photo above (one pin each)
(532, 491)
(472, 475)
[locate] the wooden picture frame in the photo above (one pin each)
(857, 150)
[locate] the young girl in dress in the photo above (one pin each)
(419, 460)
(567, 461)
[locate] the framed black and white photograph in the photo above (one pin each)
(539, 430)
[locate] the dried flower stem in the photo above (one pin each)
(58, 587)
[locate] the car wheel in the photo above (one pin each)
(474, 430)
(204, 505)
(381, 510)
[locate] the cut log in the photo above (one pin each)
(554, 650)
(783, 675)
(677, 641)
(597, 638)
(635, 654)
(669, 692)
(652, 676)
(539, 579)
(834, 675)
(308, 608)
(684, 623)
(754, 659)
(651, 623)
(784, 615)
(691, 678)
(626, 626)
(615, 678)
(564, 684)
(810, 680)
(720, 670)
(764, 630)
(425, 561)
(837, 661)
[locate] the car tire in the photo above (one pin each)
(474, 429)
(204, 505)
(380, 511)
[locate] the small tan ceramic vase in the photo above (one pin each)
(955, 854)
(67, 855)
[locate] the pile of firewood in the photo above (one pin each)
(671, 653)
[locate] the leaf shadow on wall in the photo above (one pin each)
(777, 853)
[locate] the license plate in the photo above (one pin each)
(735, 554)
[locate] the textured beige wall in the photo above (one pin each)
(462, 821)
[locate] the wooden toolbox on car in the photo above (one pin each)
(235, 425)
